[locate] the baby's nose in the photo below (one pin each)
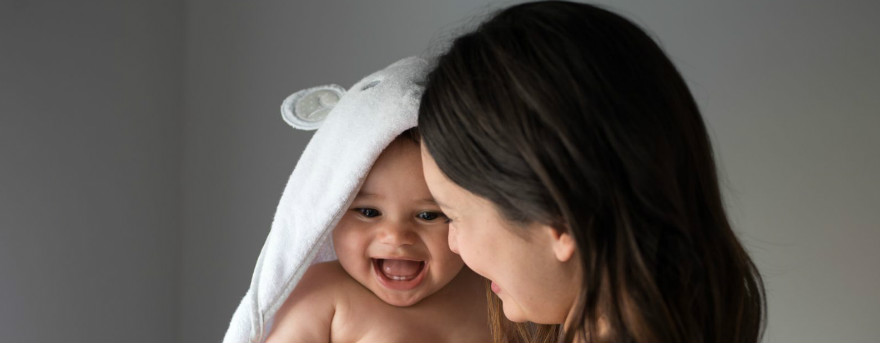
(396, 234)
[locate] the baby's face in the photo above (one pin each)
(393, 238)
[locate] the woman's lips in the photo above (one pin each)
(495, 288)
(399, 274)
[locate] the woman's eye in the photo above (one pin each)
(368, 212)
(429, 216)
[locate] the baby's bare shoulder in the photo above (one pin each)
(326, 274)
(307, 313)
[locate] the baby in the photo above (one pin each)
(395, 279)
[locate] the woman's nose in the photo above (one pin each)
(396, 234)
(453, 240)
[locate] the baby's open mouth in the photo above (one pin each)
(399, 270)
(398, 274)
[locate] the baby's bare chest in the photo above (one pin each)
(370, 320)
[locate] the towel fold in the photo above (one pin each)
(353, 128)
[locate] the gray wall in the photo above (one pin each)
(142, 154)
(90, 112)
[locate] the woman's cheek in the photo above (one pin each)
(452, 239)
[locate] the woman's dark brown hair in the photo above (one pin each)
(572, 116)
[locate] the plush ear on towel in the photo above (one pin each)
(353, 127)
(306, 109)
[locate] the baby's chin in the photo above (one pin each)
(400, 300)
(405, 298)
(411, 297)
(412, 288)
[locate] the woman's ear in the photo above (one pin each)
(562, 243)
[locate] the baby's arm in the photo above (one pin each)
(308, 312)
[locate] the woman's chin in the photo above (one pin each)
(513, 314)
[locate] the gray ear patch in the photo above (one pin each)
(307, 109)
(370, 85)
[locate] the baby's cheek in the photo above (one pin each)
(451, 260)
(438, 245)
(437, 241)
(348, 239)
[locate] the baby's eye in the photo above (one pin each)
(368, 212)
(429, 216)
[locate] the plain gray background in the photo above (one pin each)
(142, 153)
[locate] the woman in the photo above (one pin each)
(578, 177)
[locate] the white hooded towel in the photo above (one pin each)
(354, 127)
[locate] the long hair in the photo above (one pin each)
(572, 116)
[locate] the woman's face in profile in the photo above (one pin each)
(519, 260)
